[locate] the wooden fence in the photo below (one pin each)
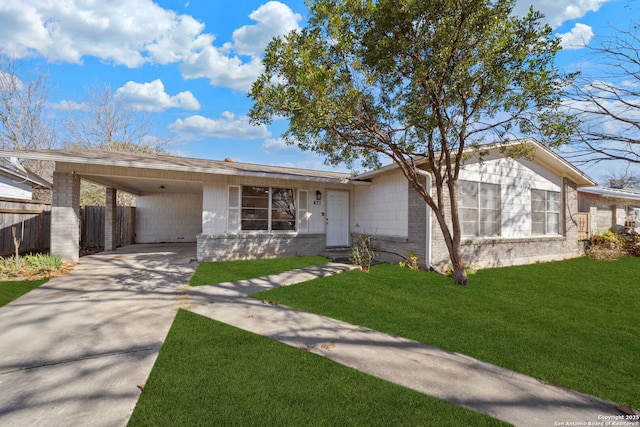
(31, 223)
(584, 231)
(92, 226)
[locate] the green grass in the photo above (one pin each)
(573, 323)
(11, 290)
(209, 373)
(209, 273)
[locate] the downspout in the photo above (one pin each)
(429, 224)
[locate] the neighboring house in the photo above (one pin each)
(514, 210)
(17, 185)
(22, 216)
(611, 209)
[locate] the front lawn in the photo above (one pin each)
(11, 290)
(573, 323)
(209, 273)
(209, 373)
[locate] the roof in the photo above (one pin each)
(541, 155)
(174, 163)
(618, 193)
(218, 167)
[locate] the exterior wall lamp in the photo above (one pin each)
(318, 195)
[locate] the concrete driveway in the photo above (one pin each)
(73, 351)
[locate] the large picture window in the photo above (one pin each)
(479, 209)
(265, 208)
(545, 212)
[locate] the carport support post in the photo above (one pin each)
(65, 216)
(110, 220)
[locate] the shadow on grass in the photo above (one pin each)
(212, 373)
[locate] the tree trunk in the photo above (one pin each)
(459, 272)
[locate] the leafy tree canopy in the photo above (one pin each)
(407, 77)
(414, 79)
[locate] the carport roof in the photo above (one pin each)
(174, 163)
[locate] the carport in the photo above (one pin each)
(169, 196)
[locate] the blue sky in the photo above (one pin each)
(190, 63)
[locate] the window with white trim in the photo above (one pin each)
(261, 209)
(545, 212)
(479, 209)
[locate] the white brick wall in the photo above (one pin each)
(170, 217)
(382, 207)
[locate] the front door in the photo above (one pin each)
(337, 218)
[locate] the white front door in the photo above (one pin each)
(337, 217)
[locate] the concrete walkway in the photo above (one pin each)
(73, 351)
(503, 394)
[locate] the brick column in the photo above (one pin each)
(110, 220)
(65, 217)
(570, 209)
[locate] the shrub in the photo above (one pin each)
(606, 247)
(411, 262)
(361, 252)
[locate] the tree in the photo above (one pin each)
(23, 126)
(419, 82)
(622, 178)
(106, 123)
(608, 104)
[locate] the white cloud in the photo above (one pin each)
(152, 97)
(133, 33)
(228, 126)
(220, 69)
(224, 69)
(121, 31)
(9, 82)
(273, 19)
(579, 37)
(273, 145)
(556, 12)
(67, 105)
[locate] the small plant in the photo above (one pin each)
(361, 252)
(608, 246)
(29, 265)
(411, 262)
(43, 262)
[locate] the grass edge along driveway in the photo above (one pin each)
(209, 273)
(573, 323)
(209, 373)
(12, 290)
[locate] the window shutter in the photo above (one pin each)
(233, 209)
(303, 211)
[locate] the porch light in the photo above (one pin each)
(318, 195)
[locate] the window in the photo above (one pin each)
(479, 208)
(261, 209)
(545, 212)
